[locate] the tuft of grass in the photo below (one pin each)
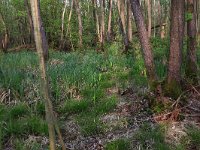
(194, 136)
(40, 108)
(19, 144)
(106, 105)
(36, 125)
(90, 124)
(29, 125)
(153, 136)
(75, 106)
(18, 111)
(119, 144)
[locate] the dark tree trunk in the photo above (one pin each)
(144, 40)
(191, 69)
(176, 45)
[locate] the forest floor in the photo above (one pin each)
(101, 101)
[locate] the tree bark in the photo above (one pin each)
(109, 20)
(122, 19)
(69, 18)
(79, 22)
(96, 19)
(43, 37)
(149, 17)
(144, 40)
(176, 44)
(39, 41)
(4, 38)
(28, 9)
(129, 22)
(161, 30)
(62, 26)
(102, 29)
(191, 45)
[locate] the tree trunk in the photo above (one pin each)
(144, 40)
(121, 10)
(69, 18)
(79, 23)
(109, 20)
(176, 46)
(102, 30)
(96, 19)
(154, 17)
(43, 37)
(4, 39)
(161, 30)
(62, 26)
(129, 22)
(191, 33)
(39, 41)
(28, 9)
(149, 17)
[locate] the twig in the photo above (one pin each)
(195, 90)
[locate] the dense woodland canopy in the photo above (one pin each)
(98, 60)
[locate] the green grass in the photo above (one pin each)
(194, 137)
(119, 144)
(153, 136)
(84, 74)
(75, 106)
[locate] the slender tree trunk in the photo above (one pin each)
(39, 40)
(30, 20)
(176, 45)
(40, 44)
(160, 20)
(96, 19)
(121, 10)
(149, 17)
(109, 20)
(129, 22)
(69, 18)
(80, 23)
(62, 26)
(102, 33)
(144, 40)
(4, 39)
(191, 33)
(44, 41)
(154, 17)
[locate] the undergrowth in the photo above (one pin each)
(78, 83)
